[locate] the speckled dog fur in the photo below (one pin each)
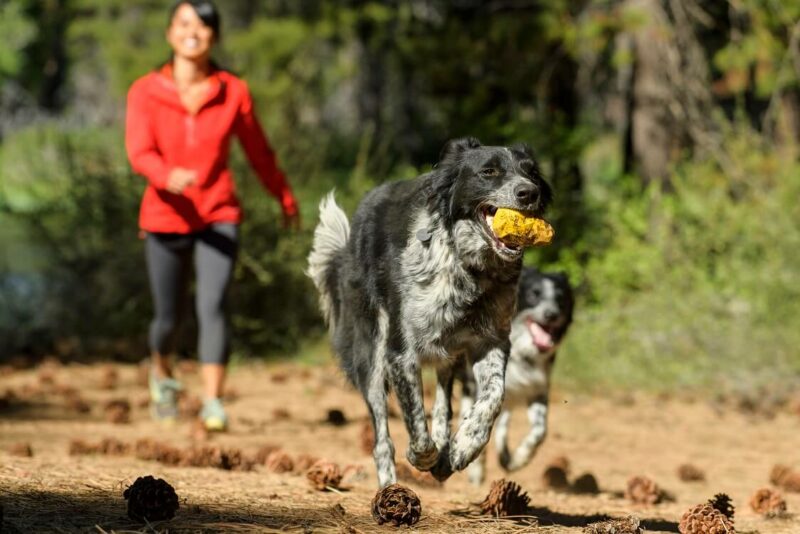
(419, 277)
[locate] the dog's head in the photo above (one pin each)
(544, 303)
(472, 181)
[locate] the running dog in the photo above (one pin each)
(420, 277)
(545, 306)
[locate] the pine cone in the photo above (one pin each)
(279, 462)
(367, 440)
(555, 478)
(779, 473)
(323, 475)
(151, 499)
(791, 482)
(505, 498)
(75, 403)
(263, 453)
(303, 462)
(722, 503)
(113, 447)
(705, 519)
(336, 418)
(627, 525)
(396, 504)
(281, 414)
(118, 411)
(109, 378)
(147, 449)
(768, 502)
(642, 490)
(78, 447)
(586, 484)
(690, 473)
(21, 449)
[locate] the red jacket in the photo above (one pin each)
(161, 134)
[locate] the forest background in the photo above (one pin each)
(670, 130)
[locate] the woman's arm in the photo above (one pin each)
(261, 156)
(143, 154)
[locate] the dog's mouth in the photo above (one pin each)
(504, 250)
(540, 336)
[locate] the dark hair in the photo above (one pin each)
(205, 9)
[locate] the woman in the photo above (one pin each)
(180, 120)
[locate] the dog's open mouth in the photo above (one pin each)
(487, 212)
(540, 336)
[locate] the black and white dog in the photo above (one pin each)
(421, 277)
(545, 305)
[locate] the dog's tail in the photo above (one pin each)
(330, 238)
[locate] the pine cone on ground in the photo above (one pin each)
(109, 378)
(113, 447)
(560, 461)
(281, 414)
(367, 438)
(79, 447)
(642, 490)
(792, 483)
(505, 498)
(263, 453)
(21, 449)
(779, 473)
(705, 519)
(627, 525)
(323, 475)
(303, 462)
(722, 503)
(151, 499)
(585, 484)
(396, 504)
(75, 403)
(118, 411)
(279, 462)
(555, 478)
(768, 502)
(690, 473)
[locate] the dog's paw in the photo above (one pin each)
(442, 470)
(425, 458)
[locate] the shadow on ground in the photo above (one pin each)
(32, 510)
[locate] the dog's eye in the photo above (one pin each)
(490, 172)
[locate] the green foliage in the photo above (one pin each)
(18, 30)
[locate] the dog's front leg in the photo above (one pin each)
(537, 415)
(442, 411)
(407, 381)
(476, 426)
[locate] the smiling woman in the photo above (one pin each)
(179, 122)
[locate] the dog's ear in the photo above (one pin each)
(523, 151)
(455, 147)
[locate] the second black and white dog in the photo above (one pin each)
(545, 304)
(420, 276)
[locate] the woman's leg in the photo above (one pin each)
(168, 261)
(215, 255)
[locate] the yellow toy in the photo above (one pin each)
(515, 228)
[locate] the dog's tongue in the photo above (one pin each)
(541, 338)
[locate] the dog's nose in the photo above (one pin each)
(526, 193)
(550, 316)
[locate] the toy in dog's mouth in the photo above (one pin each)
(508, 251)
(540, 336)
(510, 230)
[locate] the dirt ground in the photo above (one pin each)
(614, 437)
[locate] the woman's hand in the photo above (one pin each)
(179, 179)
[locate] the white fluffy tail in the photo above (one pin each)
(330, 236)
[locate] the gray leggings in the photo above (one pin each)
(169, 258)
